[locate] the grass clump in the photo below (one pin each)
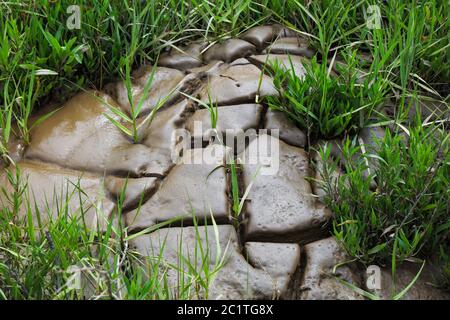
(407, 216)
(325, 105)
(62, 258)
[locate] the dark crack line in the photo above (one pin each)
(228, 77)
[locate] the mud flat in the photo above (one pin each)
(282, 248)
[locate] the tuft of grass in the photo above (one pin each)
(61, 258)
(65, 259)
(197, 272)
(210, 106)
(408, 210)
(189, 277)
(326, 106)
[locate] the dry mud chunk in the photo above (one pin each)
(161, 132)
(288, 132)
(134, 189)
(137, 161)
(242, 116)
(207, 69)
(196, 186)
(283, 61)
(280, 206)
(235, 280)
(319, 282)
(80, 136)
(287, 33)
(161, 136)
(229, 50)
(51, 188)
(292, 45)
(232, 122)
(261, 36)
(279, 260)
(165, 88)
(236, 83)
(425, 287)
(184, 58)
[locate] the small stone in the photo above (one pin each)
(237, 83)
(233, 122)
(229, 50)
(144, 162)
(261, 36)
(208, 69)
(161, 132)
(279, 260)
(184, 58)
(152, 157)
(281, 206)
(194, 187)
(287, 33)
(319, 282)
